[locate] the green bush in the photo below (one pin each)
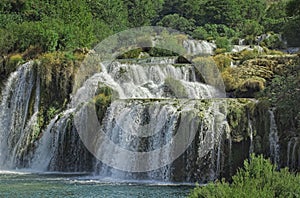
(200, 33)
(103, 98)
(251, 27)
(258, 178)
(292, 32)
(13, 62)
(224, 43)
(273, 42)
(223, 61)
(177, 22)
(248, 54)
(213, 31)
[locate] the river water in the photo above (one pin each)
(24, 184)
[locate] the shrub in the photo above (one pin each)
(103, 99)
(131, 54)
(13, 62)
(292, 32)
(248, 54)
(258, 178)
(223, 61)
(224, 43)
(251, 27)
(177, 22)
(200, 33)
(273, 42)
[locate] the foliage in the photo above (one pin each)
(284, 93)
(110, 13)
(248, 54)
(102, 99)
(56, 71)
(66, 25)
(224, 43)
(274, 19)
(251, 27)
(273, 41)
(223, 61)
(13, 61)
(177, 22)
(258, 178)
(213, 31)
(142, 12)
(292, 32)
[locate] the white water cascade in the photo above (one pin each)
(18, 116)
(145, 118)
(274, 139)
(196, 47)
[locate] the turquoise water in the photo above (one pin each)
(14, 184)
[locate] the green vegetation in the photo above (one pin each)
(56, 71)
(176, 88)
(48, 26)
(258, 178)
(283, 93)
(102, 100)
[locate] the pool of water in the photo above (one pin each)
(22, 184)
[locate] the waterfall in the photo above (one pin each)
(196, 47)
(18, 117)
(293, 154)
(157, 109)
(137, 124)
(251, 149)
(274, 139)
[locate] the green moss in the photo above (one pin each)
(223, 61)
(176, 88)
(102, 100)
(131, 54)
(250, 78)
(238, 115)
(13, 62)
(56, 72)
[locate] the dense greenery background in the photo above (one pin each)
(49, 25)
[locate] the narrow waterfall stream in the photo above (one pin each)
(17, 118)
(274, 139)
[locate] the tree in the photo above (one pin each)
(222, 12)
(293, 8)
(274, 19)
(177, 22)
(111, 12)
(292, 27)
(143, 12)
(251, 27)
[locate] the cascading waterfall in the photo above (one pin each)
(18, 120)
(196, 47)
(274, 139)
(61, 148)
(152, 100)
(127, 118)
